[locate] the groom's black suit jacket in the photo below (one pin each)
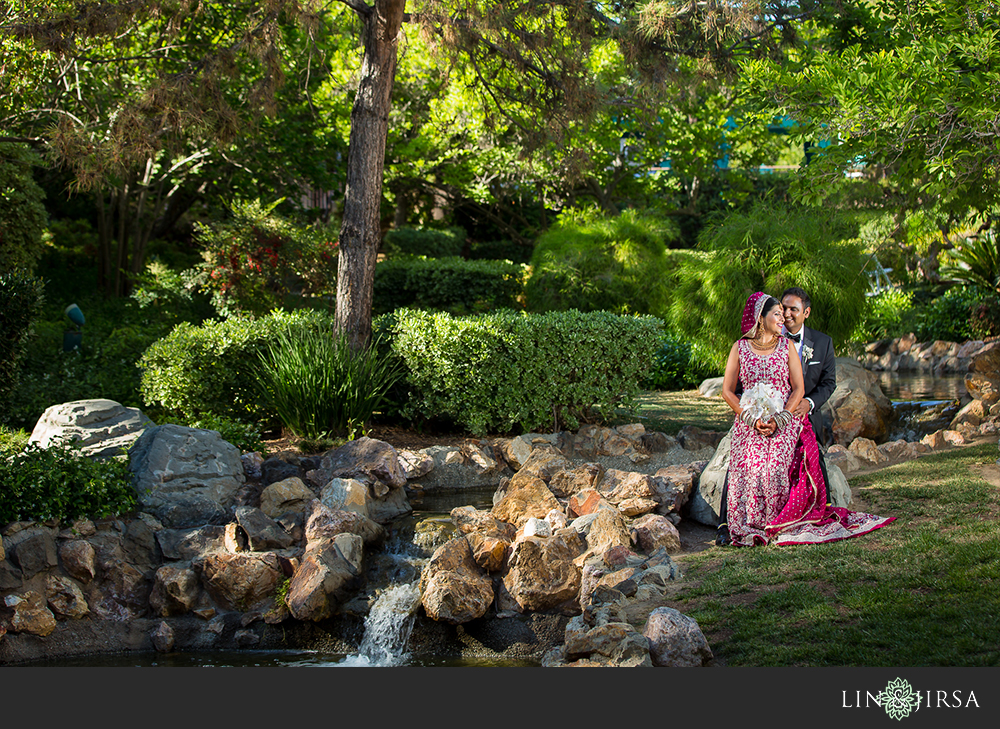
(819, 374)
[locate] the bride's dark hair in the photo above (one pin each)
(769, 303)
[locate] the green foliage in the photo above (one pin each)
(211, 369)
(950, 317)
(593, 263)
(507, 370)
(429, 242)
(252, 261)
(319, 387)
(243, 435)
(21, 298)
(13, 440)
(767, 248)
(674, 367)
(889, 314)
(446, 284)
(500, 250)
(170, 294)
(975, 261)
(59, 483)
(22, 214)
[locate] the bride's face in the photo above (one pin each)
(773, 320)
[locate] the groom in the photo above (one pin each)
(820, 378)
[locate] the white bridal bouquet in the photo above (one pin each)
(761, 402)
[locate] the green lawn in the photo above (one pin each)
(920, 592)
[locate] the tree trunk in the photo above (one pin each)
(359, 231)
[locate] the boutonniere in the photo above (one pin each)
(807, 353)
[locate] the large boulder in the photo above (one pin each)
(676, 640)
(454, 588)
(525, 496)
(186, 477)
(541, 572)
(239, 581)
(374, 463)
(326, 577)
(102, 428)
(445, 468)
(858, 407)
(705, 503)
(983, 378)
(289, 495)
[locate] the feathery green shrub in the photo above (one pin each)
(431, 242)
(446, 284)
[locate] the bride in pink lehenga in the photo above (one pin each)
(776, 490)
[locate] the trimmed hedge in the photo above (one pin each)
(446, 284)
(430, 242)
(196, 371)
(507, 370)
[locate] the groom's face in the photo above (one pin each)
(795, 313)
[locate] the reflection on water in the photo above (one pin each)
(922, 386)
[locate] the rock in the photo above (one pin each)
(345, 494)
(983, 377)
(865, 450)
(246, 638)
(973, 413)
(236, 538)
(415, 464)
(675, 640)
(618, 486)
(526, 496)
(65, 597)
(586, 501)
(453, 468)
(175, 591)
(186, 477)
(288, 495)
(489, 552)
(895, 451)
(124, 592)
(239, 581)
(163, 637)
(189, 544)
(935, 441)
(636, 507)
(673, 486)
(276, 469)
(469, 519)
(454, 588)
(102, 428)
(33, 550)
(693, 438)
(326, 577)
(653, 531)
(324, 523)
(706, 500)
(840, 456)
(30, 614)
(953, 437)
(838, 490)
(535, 527)
(603, 529)
(541, 574)
(262, 532)
(613, 644)
(565, 483)
(373, 462)
(78, 559)
(431, 533)
(544, 464)
(712, 387)
(858, 407)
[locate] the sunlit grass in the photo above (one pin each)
(920, 592)
(668, 412)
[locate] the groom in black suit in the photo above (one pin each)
(819, 374)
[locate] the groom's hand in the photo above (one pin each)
(802, 409)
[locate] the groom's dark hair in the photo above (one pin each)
(796, 291)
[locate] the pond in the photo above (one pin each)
(914, 386)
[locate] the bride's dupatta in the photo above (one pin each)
(806, 518)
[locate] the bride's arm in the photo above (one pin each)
(795, 375)
(729, 379)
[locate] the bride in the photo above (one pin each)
(776, 489)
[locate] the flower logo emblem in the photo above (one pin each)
(899, 699)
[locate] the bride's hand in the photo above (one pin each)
(766, 429)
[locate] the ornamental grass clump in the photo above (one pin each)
(319, 387)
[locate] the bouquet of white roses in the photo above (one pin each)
(761, 402)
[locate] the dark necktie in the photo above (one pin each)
(795, 337)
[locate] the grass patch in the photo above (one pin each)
(920, 592)
(669, 411)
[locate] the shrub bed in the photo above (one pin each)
(430, 242)
(211, 369)
(507, 370)
(446, 284)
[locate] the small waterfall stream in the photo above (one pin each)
(387, 628)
